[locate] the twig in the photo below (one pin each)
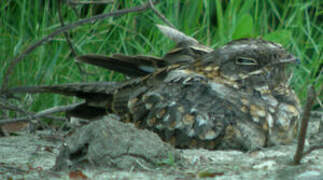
(31, 115)
(89, 2)
(16, 60)
(56, 118)
(11, 107)
(61, 20)
(304, 123)
(319, 101)
(315, 147)
(160, 15)
(41, 113)
(68, 40)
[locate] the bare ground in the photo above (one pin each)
(109, 149)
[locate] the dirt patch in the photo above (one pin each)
(110, 149)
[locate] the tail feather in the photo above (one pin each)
(82, 90)
(87, 112)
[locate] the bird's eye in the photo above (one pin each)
(246, 61)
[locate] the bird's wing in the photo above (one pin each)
(187, 50)
(133, 66)
(179, 105)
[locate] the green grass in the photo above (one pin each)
(295, 24)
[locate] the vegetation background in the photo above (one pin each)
(296, 24)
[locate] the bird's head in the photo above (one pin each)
(249, 63)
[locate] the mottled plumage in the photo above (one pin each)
(187, 50)
(235, 97)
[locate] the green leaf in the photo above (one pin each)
(244, 27)
(280, 36)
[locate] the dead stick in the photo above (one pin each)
(69, 42)
(11, 107)
(41, 113)
(64, 29)
(160, 15)
(89, 2)
(315, 147)
(304, 123)
(66, 34)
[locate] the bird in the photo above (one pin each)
(233, 97)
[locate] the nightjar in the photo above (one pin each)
(234, 97)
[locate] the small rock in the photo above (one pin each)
(112, 143)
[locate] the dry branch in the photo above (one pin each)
(312, 148)
(304, 123)
(89, 2)
(160, 15)
(41, 113)
(19, 58)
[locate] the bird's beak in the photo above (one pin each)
(290, 59)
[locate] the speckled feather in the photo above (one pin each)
(235, 97)
(187, 50)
